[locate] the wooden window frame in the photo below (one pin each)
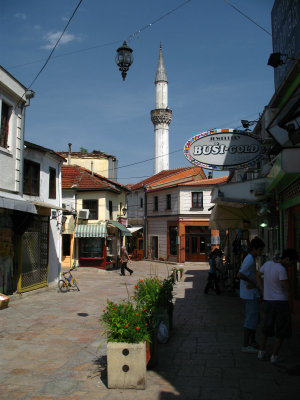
(88, 204)
(6, 111)
(169, 202)
(52, 183)
(199, 205)
(155, 203)
(31, 184)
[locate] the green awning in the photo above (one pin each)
(91, 230)
(122, 228)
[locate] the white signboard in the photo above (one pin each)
(223, 149)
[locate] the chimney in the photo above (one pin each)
(92, 167)
(69, 154)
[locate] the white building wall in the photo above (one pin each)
(135, 212)
(10, 157)
(162, 202)
(158, 227)
(46, 161)
(186, 200)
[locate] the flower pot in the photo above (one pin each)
(126, 365)
(153, 350)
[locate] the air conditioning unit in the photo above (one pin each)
(67, 207)
(83, 214)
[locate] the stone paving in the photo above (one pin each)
(49, 344)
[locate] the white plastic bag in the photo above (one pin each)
(162, 333)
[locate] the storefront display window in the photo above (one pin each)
(91, 247)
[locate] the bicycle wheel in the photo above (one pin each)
(76, 284)
(63, 286)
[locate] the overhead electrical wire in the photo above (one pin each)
(129, 38)
(56, 44)
(246, 16)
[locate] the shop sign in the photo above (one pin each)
(223, 149)
(123, 221)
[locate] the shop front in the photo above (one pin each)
(91, 248)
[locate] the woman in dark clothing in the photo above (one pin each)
(212, 281)
(124, 260)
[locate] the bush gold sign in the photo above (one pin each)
(223, 149)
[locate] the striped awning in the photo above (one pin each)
(91, 230)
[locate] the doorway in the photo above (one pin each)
(154, 247)
(197, 243)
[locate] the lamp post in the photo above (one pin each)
(124, 58)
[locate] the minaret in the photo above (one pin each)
(161, 118)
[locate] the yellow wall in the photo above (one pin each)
(103, 199)
(100, 166)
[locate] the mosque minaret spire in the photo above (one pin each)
(161, 118)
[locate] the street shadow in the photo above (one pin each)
(101, 368)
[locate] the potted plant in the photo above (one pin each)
(156, 296)
(127, 331)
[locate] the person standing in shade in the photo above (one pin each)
(277, 316)
(250, 294)
(124, 260)
(212, 280)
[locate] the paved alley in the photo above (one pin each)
(49, 342)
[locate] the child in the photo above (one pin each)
(212, 281)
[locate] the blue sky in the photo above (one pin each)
(216, 62)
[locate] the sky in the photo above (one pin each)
(215, 59)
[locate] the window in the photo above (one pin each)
(197, 199)
(5, 117)
(92, 206)
(155, 203)
(141, 202)
(173, 240)
(52, 183)
(31, 180)
(168, 202)
(110, 209)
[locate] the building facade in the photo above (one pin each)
(95, 218)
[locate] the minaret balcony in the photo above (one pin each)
(161, 116)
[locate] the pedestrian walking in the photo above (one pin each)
(124, 260)
(275, 289)
(212, 280)
(250, 294)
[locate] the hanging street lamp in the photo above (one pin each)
(124, 58)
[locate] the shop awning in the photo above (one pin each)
(251, 191)
(17, 203)
(91, 230)
(240, 217)
(134, 228)
(122, 228)
(46, 205)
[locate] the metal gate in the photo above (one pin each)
(34, 263)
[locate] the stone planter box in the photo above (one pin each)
(126, 365)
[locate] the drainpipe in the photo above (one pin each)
(69, 154)
(92, 167)
(145, 222)
(29, 94)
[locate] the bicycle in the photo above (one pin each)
(67, 282)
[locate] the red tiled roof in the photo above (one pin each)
(171, 174)
(79, 178)
(208, 182)
(187, 173)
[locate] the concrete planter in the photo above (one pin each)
(126, 365)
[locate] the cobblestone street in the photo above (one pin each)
(49, 343)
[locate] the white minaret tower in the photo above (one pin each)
(161, 118)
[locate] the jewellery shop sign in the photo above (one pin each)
(223, 149)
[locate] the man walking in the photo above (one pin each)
(124, 260)
(250, 294)
(275, 287)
